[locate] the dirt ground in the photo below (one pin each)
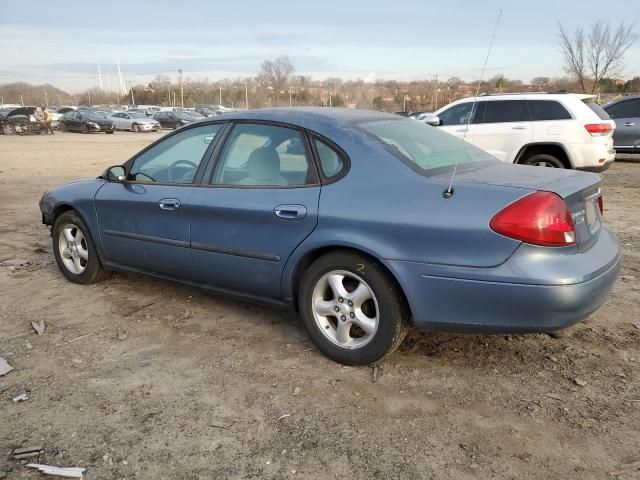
(141, 378)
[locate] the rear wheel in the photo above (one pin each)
(351, 309)
(74, 250)
(84, 128)
(9, 129)
(543, 160)
(63, 127)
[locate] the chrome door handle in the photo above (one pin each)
(629, 124)
(290, 212)
(169, 204)
(519, 127)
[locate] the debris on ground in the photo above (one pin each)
(376, 373)
(284, 416)
(21, 398)
(296, 391)
(26, 452)
(4, 367)
(70, 472)
(39, 327)
(579, 382)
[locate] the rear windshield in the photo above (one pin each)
(422, 146)
(597, 109)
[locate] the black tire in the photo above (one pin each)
(93, 269)
(391, 310)
(135, 127)
(62, 127)
(543, 160)
(176, 126)
(110, 132)
(84, 128)
(9, 129)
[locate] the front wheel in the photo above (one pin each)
(136, 128)
(9, 129)
(352, 309)
(74, 250)
(84, 128)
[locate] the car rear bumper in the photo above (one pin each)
(593, 157)
(558, 293)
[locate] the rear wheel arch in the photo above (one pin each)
(307, 260)
(555, 149)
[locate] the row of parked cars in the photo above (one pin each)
(559, 130)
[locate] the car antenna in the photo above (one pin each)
(448, 193)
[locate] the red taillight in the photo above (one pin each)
(540, 218)
(596, 129)
(601, 205)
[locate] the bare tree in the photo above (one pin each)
(275, 74)
(597, 54)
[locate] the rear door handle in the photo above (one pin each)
(629, 124)
(519, 127)
(290, 212)
(169, 204)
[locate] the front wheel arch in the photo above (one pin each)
(305, 262)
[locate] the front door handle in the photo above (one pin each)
(290, 212)
(519, 127)
(629, 124)
(169, 204)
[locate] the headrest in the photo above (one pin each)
(264, 164)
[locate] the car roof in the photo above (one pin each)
(296, 115)
(621, 99)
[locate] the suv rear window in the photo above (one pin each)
(597, 109)
(547, 110)
(421, 146)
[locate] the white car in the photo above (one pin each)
(560, 130)
(135, 121)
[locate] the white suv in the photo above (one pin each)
(561, 130)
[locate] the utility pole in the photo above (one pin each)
(100, 77)
(330, 101)
(89, 93)
(21, 101)
(220, 95)
(59, 100)
(133, 102)
(46, 99)
(122, 87)
(289, 96)
(181, 89)
(246, 95)
(436, 107)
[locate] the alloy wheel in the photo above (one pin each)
(73, 248)
(345, 309)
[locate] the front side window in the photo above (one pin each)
(456, 115)
(501, 111)
(421, 146)
(547, 110)
(176, 159)
(624, 109)
(330, 161)
(264, 155)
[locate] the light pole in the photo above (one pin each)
(181, 89)
(220, 95)
(246, 95)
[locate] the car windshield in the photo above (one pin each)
(94, 115)
(136, 115)
(182, 115)
(195, 115)
(421, 146)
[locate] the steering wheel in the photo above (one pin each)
(173, 175)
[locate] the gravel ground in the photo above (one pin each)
(141, 378)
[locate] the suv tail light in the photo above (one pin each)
(598, 129)
(540, 218)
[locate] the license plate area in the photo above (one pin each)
(592, 216)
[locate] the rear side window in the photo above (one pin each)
(547, 110)
(330, 161)
(500, 111)
(597, 109)
(624, 109)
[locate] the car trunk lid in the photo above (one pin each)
(579, 190)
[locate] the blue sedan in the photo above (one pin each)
(351, 217)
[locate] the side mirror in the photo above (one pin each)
(432, 119)
(115, 174)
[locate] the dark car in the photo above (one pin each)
(173, 119)
(347, 216)
(20, 120)
(86, 121)
(626, 113)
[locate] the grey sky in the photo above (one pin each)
(61, 42)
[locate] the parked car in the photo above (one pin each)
(543, 129)
(134, 121)
(346, 215)
(210, 110)
(20, 120)
(173, 119)
(626, 113)
(86, 121)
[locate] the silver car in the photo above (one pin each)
(134, 121)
